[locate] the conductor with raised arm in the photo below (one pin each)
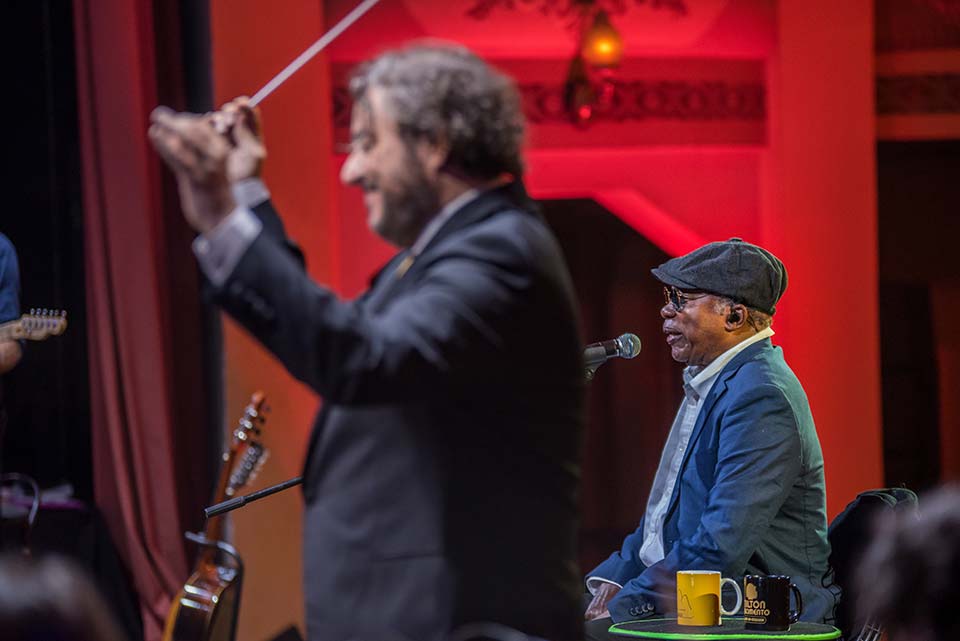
(440, 484)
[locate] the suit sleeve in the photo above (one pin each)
(273, 228)
(448, 326)
(621, 566)
(759, 459)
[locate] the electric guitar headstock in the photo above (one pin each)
(38, 325)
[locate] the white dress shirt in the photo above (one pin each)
(697, 382)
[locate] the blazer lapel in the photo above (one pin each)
(384, 282)
(719, 389)
(483, 206)
(387, 283)
(380, 284)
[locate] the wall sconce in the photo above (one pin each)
(579, 93)
(589, 83)
(601, 45)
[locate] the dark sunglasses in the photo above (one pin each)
(677, 298)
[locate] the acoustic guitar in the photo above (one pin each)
(206, 608)
(38, 325)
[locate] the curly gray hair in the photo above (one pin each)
(446, 93)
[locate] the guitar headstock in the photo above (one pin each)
(247, 445)
(249, 425)
(39, 324)
(247, 468)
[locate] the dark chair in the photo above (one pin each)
(849, 535)
(19, 504)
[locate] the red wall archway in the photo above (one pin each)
(804, 188)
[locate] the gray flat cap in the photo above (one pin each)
(747, 273)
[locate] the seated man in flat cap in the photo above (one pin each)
(740, 485)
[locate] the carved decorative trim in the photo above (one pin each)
(916, 25)
(658, 100)
(947, 8)
(481, 9)
(918, 94)
(629, 100)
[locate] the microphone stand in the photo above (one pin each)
(239, 501)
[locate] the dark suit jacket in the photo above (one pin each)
(441, 479)
(749, 499)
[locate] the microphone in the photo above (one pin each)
(596, 354)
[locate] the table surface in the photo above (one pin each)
(730, 628)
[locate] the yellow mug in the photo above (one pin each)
(698, 597)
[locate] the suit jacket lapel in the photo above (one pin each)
(386, 284)
(383, 282)
(380, 284)
(478, 209)
(719, 389)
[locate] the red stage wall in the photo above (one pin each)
(252, 41)
(820, 217)
(807, 193)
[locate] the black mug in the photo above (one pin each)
(766, 602)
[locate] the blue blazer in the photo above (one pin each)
(749, 499)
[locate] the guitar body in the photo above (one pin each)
(207, 606)
(204, 609)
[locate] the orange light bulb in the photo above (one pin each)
(602, 46)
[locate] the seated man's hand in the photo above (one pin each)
(598, 607)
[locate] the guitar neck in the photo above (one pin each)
(244, 441)
(213, 529)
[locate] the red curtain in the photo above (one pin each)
(141, 293)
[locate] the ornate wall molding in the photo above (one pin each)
(916, 25)
(481, 9)
(652, 101)
(937, 93)
(629, 100)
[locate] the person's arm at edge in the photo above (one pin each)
(10, 355)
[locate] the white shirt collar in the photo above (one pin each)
(701, 378)
(437, 222)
